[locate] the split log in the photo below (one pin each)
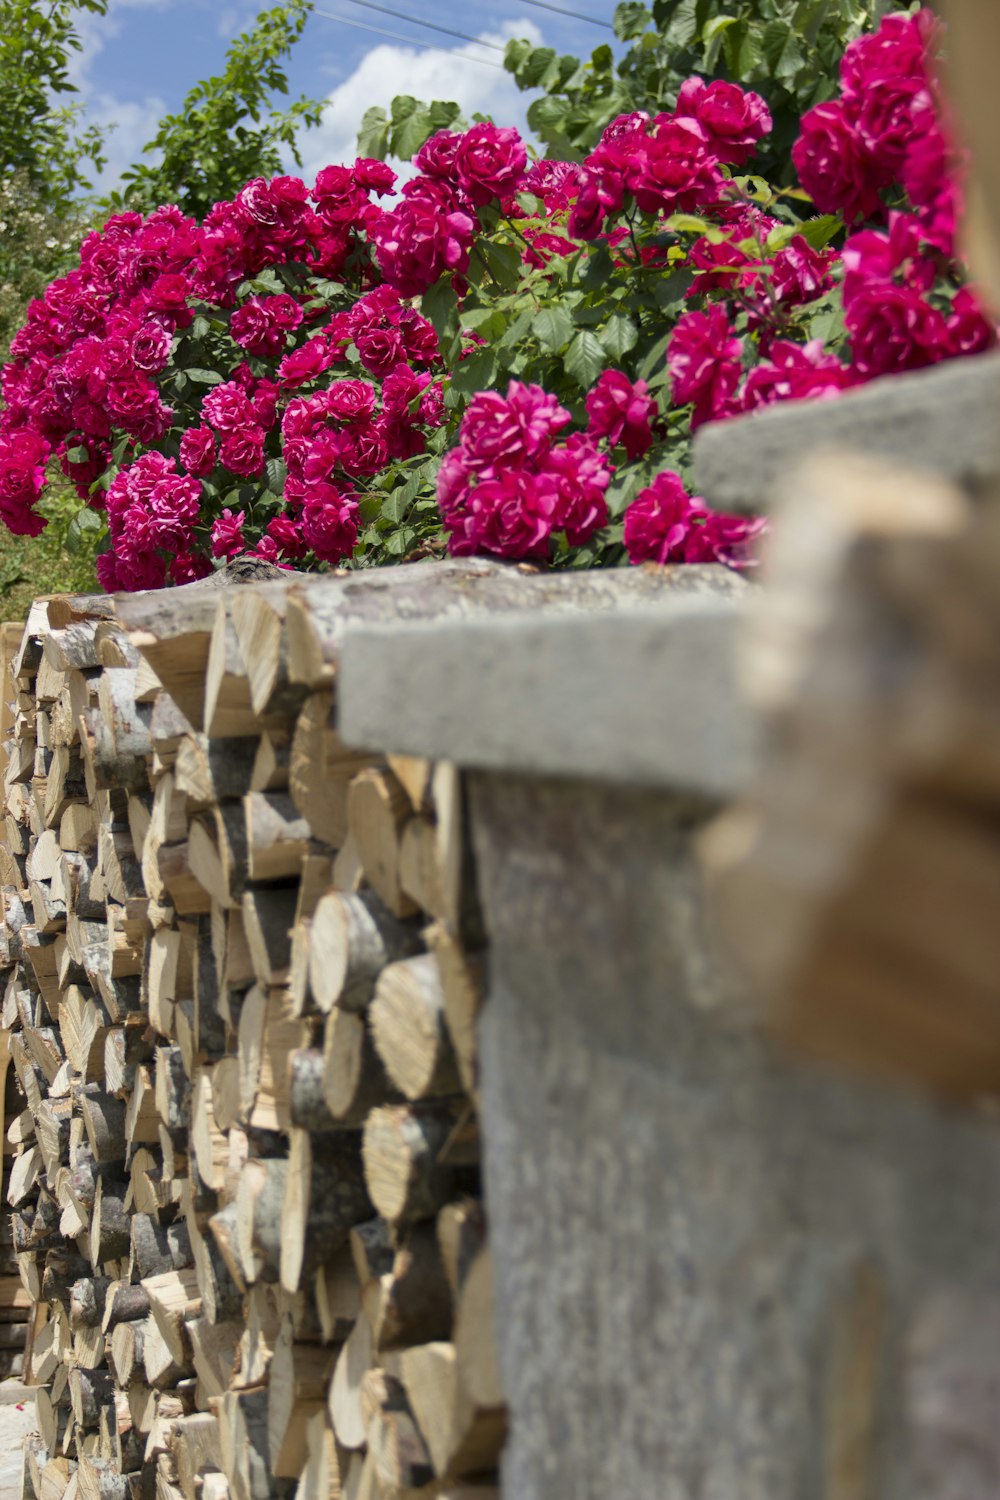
(354, 1079)
(463, 1439)
(401, 1148)
(297, 1384)
(353, 938)
(377, 809)
(325, 1194)
(409, 1029)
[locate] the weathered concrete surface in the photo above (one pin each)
(17, 1418)
(631, 684)
(942, 419)
(720, 1275)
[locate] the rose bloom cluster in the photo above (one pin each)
(305, 405)
(664, 524)
(903, 305)
(670, 163)
(513, 483)
(91, 366)
(885, 128)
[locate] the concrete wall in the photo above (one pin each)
(721, 1273)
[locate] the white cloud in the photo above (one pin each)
(451, 74)
(129, 124)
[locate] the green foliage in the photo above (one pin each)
(40, 143)
(788, 50)
(36, 245)
(227, 131)
(402, 132)
(56, 562)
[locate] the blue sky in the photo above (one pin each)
(140, 60)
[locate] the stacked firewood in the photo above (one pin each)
(241, 974)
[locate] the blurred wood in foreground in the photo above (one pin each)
(859, 882)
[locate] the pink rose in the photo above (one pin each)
(381, 349)
(721, 538)
(188, 567)
(506, 431)
(705, 362)
(835, 167)
(664, 524)
(893, 329)
(284, 531)
(350, 400)
(733, 119)
(490, 162)
(339, 199)
(416, 244)
(151, 347)
(793, 372)
(373, 175)
(329, 523)
(676, 169)
(436, 157)
(306, 363)
(227, 534)
(800, 274)
(227, 407)
(658, 521)
(621, 412)
(969, 329)
(242, 451)
(198, 451)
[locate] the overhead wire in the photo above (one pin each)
(561, 10)
(463, 36)
(411, 41)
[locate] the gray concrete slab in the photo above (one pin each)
(646, 695)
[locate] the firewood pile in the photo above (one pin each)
(241, 972)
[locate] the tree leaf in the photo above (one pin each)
(619, 335)
(277, 474)
(204, 377)
(373, 137)
(440, 305)
(553, 328)
(584, 359)
(821, 230)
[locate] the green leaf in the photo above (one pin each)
(630, 20)
(553, 328)
(402, 107)
(821, 230)
(395, 506)
(200, 327)
(78, 455)
(503, 261)
(619, 335)
(781, 50)
(400, 541)
(584, 359)
(440, 305)
(476, 373)
(687, 224)
(373, 137)
(204, 377)
(277, 475)
(408, 137)
(85, 526)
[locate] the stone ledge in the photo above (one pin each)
(645, 694)
(944, 419)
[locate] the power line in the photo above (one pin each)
(463, 36)
(575, 15)
(410, 41)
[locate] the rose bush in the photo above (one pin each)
(506, 356)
